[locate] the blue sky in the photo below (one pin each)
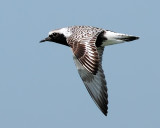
(39, 83)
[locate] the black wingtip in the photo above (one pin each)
(105, 114)
(130, 38)
(105, 111)
(133, 38)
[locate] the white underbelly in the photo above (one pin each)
(111, 42)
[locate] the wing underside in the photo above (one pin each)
(95, 84)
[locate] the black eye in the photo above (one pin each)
(54, 34)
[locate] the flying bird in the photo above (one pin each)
(87, 44)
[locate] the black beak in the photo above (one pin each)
(46, 39)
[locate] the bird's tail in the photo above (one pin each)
(127, 38)
(116, 38)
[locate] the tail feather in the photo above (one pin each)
(116, 38)
(127, 38)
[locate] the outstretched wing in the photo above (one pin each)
(95, 84)
(85, 50)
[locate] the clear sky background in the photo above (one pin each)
(39, 83)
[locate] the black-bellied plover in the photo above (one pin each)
(87, 44)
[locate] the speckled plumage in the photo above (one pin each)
(87, 44)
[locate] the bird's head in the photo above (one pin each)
(58, 36)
